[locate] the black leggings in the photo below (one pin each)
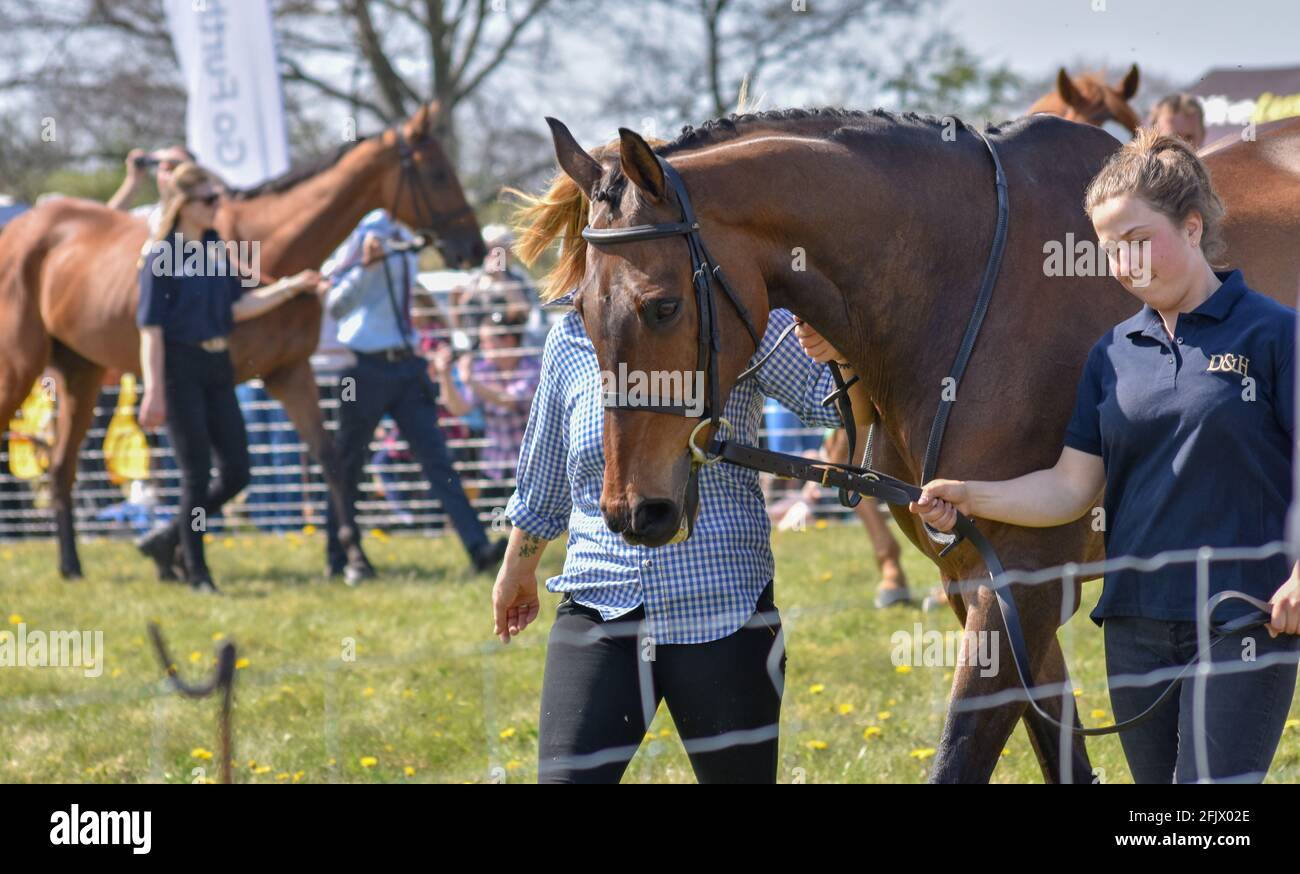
(203, 419)
(604, 681)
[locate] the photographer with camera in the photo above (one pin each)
(138, 163)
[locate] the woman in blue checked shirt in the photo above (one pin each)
(693, 623)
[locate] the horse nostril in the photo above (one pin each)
(652, 514)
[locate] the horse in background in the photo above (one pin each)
(1089, 99)
(69, 289)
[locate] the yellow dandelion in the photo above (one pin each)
(1098, 713)
(883, 715)
(297, 775)
(369, 761)
(1078, 693)
(200, 753)
(902, 669)
(262, 770)
(507, 733)
(196, 657)
(388, 748)
(218, 636)
(845, 709)
(309, 530)
(922, 754)
(817, 745)
(227, 543)
(368, 692)
(664, 732)
(1005, 752)
(871, 731)
(407, 693)
(282, 776)
(649, 736)
(209, 538)
(408, 771)
(827, 577)
(817, 688)
(1291, 724)
(240, 664)
(514, 765)
(288, 690)
(15, 618)
(116, 672)
(892, 702)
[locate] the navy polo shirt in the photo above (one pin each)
(1196, 435)
(190, 296)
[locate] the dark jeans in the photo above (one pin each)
(402, 390)
(203, 420)
(603, 683)
(1245, 711)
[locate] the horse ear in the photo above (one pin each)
(573, 159)
(1065, 88)
(1129, 86)
(419, 126)
(640, 164)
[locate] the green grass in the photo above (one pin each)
(431, 691)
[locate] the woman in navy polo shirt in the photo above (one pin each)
(185, 316)
(1185, 414)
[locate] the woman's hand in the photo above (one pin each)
(815, 346)
(153, 410)
(372, 249)
(306, 281)
(514, 600)
(940, 501)
(1286, 608)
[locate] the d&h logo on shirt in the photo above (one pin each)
(1228, 363)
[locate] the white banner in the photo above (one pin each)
(235, 117)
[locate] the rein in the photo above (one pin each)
(421, 193)
(854, 481)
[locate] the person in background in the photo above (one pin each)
(1180, 115)
(189, 380)
(371, 301)
(498, 286)
(500, 380)
(138, 161)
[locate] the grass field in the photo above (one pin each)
(430, 695)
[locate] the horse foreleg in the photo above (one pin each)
(1046, 738)
(294, 386)
(974, 735)
(77, 387)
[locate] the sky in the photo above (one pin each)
(1178, 38)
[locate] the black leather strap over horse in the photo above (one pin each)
(409, 177)
(848, 478)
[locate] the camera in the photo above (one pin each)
(145, 162)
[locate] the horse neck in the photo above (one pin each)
(299, 227)
(893, 256)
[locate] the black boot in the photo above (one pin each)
(161, 545)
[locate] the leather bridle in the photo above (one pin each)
(430, 219)
(852, 480)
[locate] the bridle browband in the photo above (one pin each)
(854, 481)
(421, 195)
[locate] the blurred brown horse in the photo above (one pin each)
(895, 223)
(68, 290)
(1089, 99)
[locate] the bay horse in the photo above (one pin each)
(1089, 99)
(68, 290)
(895, 296)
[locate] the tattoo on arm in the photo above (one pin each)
(530, 546)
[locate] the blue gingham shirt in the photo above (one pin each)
(703, 588)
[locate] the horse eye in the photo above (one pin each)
(664, 309)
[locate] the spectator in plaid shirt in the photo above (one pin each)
(500, 380)
(693, 623)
